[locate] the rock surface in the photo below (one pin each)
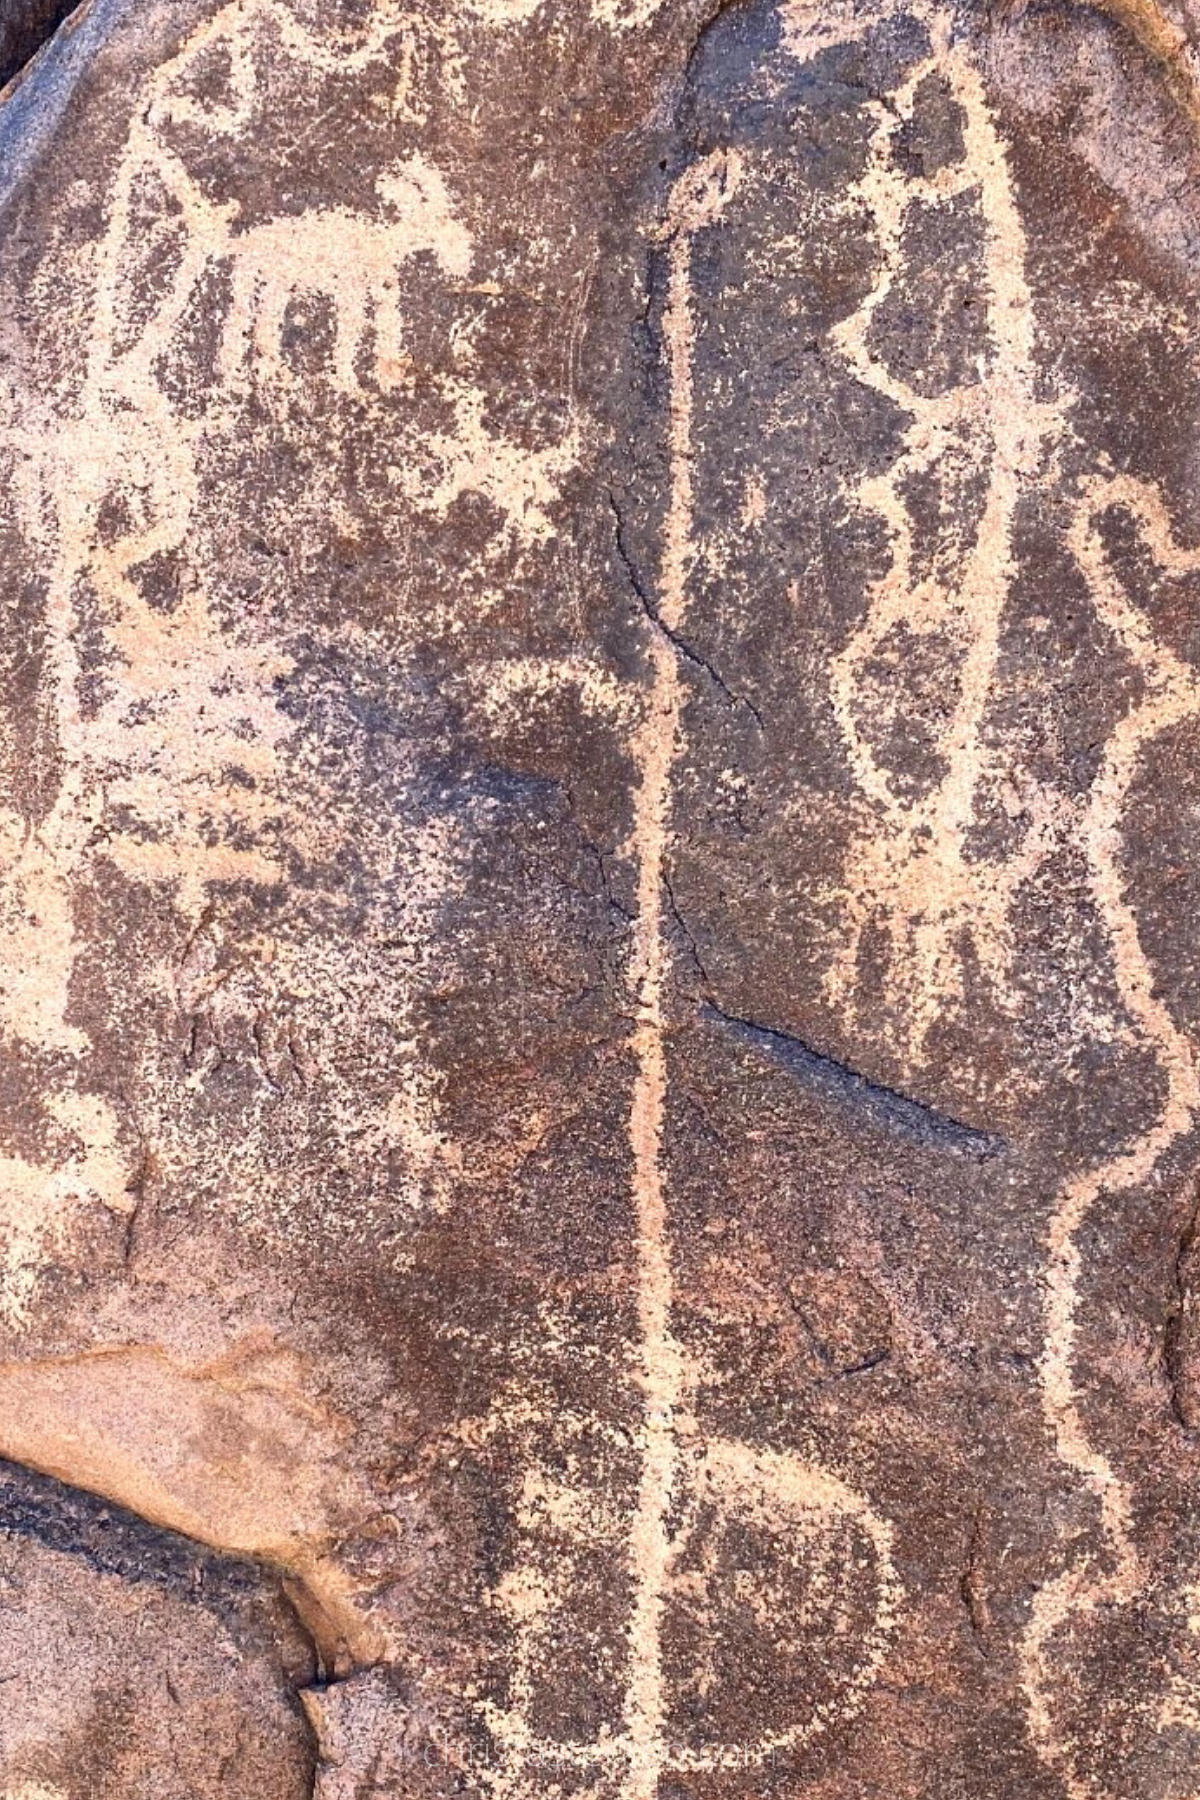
(599, 848)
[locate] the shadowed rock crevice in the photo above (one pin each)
(238, 1454)
(25, 25)
(185, 1617)
(838, 1082)
(114, 1541)
(1179, 1326)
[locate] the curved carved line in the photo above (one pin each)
(1171, 694)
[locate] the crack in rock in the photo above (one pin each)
(237, 1455)
(886, 1106)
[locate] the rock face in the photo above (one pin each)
(599, 855)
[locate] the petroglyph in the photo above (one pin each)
(617, 15)
(38, 1201)
(173, 777)
(187, 705)
(692, 1484)
(510, 690)
(914, 874)
(347, 258)
(916, 877)
(352, 259)
(189, 702)
(703, 1393)
(521, 484)
(1170, 694)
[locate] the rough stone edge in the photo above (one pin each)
(35, 100)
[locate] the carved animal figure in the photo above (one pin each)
(351, 259)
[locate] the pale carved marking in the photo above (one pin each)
(38, 1201)
(913, 873)
(123, 404)
(690, 1481)
(1170, 695)
(144, 777)
(522, 484)
(617, 15)
(351, 260)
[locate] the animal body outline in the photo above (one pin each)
(350, 258)
(915, 874)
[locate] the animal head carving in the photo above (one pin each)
(416, 197)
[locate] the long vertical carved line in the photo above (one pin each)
(695, 202)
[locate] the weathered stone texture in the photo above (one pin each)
(598, 863)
